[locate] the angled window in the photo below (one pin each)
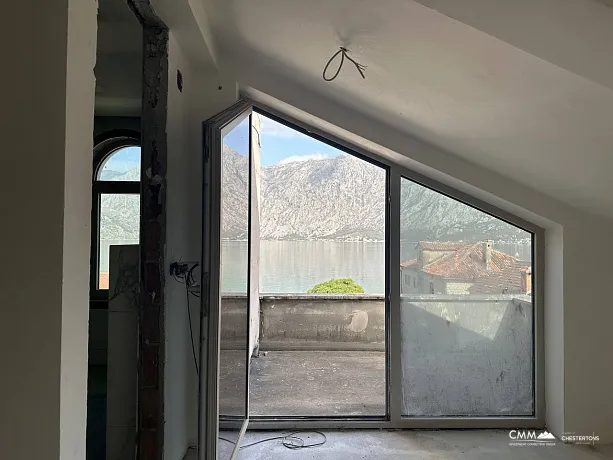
(467, 338)
(115, 205)
(447, 310)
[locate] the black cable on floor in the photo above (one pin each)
(290, 441)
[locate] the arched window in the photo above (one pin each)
(115, 204)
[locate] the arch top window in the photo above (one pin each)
(115, 205)
(121, 165)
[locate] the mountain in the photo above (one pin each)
(119, 213)
(129, 175)
(235, 195)
(343, 198)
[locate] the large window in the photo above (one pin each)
(115, 205)
(388, 299)
(467, 326)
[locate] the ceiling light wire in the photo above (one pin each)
(344, 54)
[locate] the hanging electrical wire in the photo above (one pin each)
(344, 54)
(184, 274)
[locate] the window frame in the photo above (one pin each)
(394, 368)
(105, 146)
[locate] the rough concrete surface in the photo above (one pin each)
(318, 383)
(296, 383)
(467, 356)
(409, 445)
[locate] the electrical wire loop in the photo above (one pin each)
(344, 54)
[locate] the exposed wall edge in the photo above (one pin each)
(146, 15)
(151, 311)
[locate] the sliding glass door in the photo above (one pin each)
(447, 315)
(230, 281)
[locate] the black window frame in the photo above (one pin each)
(105, 146)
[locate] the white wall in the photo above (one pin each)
(48, 97)
(588, 316)
(201, 98)
(576, 396)
(577, 308)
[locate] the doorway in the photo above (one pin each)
(317, 337)
(342, 290)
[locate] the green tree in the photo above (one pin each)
(337, 286)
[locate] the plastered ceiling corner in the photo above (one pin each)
(522, 88)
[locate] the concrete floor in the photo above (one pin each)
(319, 383)
(413, 445)
(353, 383)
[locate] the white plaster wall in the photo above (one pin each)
(457, 288)
(578, 309)
(588, 316)
(201, 98)
(179, 367)
(554, 331)
(79, 110)
(48, 96)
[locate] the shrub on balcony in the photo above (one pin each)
(337, 286)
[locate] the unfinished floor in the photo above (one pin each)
(411, 445)
(306, 383)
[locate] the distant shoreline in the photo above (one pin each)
(332, 240)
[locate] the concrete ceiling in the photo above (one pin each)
(119, 60)
(524, 88)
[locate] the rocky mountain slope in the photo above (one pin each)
(343, 198)
(340, 198)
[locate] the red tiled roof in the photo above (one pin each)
(508, 281)
(103, 280)
(466, 263)
(408, 263)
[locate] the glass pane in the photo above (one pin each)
(466, 309)
(119, 224)
(121, 165)
(322, 279)
(234, 299)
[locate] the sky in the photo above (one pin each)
(279, 143)
(123, 160)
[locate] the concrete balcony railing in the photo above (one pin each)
(309, 321)
(352, 321)
(462, 355)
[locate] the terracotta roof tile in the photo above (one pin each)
(408, 263)
(103, 280)
(466, 263)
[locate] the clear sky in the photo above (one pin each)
(279, 143)
(123, 160)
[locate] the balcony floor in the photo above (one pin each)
(316, 383)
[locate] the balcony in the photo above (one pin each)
(321, 353)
